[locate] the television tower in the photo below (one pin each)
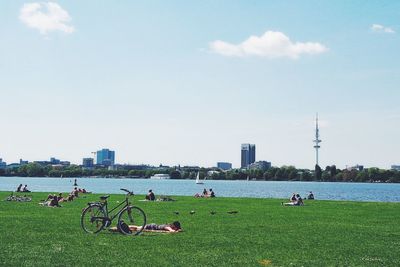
(317, 140)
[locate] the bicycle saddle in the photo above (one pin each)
(104, 197)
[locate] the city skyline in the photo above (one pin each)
(186, 83)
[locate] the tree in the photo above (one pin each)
(318, 173)
(175, 175)
(306, 176)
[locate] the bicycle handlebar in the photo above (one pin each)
(126, 190)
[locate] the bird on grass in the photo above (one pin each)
(232, 212)
(213, 212)
(176, 212)
(192, 212)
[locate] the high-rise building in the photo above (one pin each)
(248, 155)
(105, 157)
(224, 165)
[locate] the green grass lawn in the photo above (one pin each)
(262, 233)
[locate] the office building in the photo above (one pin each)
(54, 161)
(356, 167)
(87, 162)
(3, 164)
(395, 167)
(105, 157)
(224, 166)
(248, 155)
(260, 165)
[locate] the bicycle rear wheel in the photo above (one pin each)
(92, 219)
(132, 215)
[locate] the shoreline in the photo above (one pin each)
(214, 180)
(142, 197)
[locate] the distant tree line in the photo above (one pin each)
(284, 173)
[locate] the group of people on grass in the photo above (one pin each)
(206, 193)
(54, 200)
(296, 200)
(151, 197)
(22, 189)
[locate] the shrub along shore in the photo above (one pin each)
(284, 173)
(260, 232)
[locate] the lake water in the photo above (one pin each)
(253, 189)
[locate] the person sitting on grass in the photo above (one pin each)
(150, 196)
(299, 201)
(212, 194)
(75, 192)
(25, 189)
(70, 197)
(171, 227)
(19, 188)
(293, 198)
(205, 193)
(310, 196)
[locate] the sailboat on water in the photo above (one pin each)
(198, 181)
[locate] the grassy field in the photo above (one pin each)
(262, 233)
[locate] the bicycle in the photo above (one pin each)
(96, 216)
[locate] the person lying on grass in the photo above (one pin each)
(172, 227)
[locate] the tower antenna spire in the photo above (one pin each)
(316, 140)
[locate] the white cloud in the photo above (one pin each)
(271, 44)
(381, 28)
(46, 17)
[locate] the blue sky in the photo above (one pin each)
(148, 80)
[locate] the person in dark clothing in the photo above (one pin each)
(150, 196)
(212, 194)
(19, 188)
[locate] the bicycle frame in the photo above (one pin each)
(124, 204)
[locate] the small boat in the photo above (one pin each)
(198, 179)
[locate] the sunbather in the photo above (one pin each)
(51, 201)
(172, 227)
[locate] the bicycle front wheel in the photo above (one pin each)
(132, 216)
(92, 219)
